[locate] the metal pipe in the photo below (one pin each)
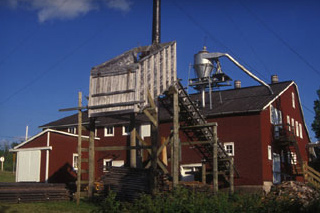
(156, 22)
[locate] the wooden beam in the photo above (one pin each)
(215, 160)
(79, 146)
(113, 148)
(200, 126)
(151, 117)
(164, 144)
(91, 159)
(112, 93)
(231, 180)
(133, 142)
(196, 142)
(176, 146)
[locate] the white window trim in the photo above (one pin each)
(293, 100)
(297, 129)
(269, 152)
(105, 131)
(288, 123)
(229, 144)
(75, 166)
(124, 130)
(300, 129)
(292, 125)
(293, 160)
(72, 130)
(117, 163)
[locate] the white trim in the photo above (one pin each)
(73, 164)
(105, 131)
(284, 90)
(31, 149)
(50, 130)
(47, 158)
(293, 100)
(228, 144)
(124, 130)
(269, 152)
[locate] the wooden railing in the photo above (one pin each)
(311, 175)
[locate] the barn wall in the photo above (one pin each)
(60, 160)
(244, 131)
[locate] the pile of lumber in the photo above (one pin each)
(127, 183)
(33, 192)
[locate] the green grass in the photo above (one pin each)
(50, 207)
(6, 176)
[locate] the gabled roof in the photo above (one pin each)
(243, 100)
(233, 101)
(16, 148)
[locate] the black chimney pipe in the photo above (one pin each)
(156, 23)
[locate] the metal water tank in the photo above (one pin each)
(202, 66)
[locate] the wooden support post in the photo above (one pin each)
(203, 171)
(215, 160)
(175, 174)
(231, 176)
(154, 157)
(133, 143)
(91, 158)
(79, 146)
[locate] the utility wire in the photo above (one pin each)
(62, 59)
(214, 39)
(284, 42)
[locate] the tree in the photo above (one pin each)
(316, 121)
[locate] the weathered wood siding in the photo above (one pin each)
(123, 83)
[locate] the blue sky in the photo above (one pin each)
(49, 47)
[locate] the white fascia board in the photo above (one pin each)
(31, 149)
(50, 130)
(275, 98)
(297, 90)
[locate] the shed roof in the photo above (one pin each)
(225, 102)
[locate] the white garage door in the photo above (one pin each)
(28, 166)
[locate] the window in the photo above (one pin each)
(109, 162)
(125, 130)
(269, 153)
(293, 100)
(275, 116)
(145, 130)
(292, 125)
(75, 158)
(292, 158)
(288, 123)
(297, 128)
(300, 130)
(229, 148)
(108, 131)
(72, 130)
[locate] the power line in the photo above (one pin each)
(214, 39)
(284, 42)
(62, 59)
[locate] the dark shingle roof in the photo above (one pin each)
(233, 101)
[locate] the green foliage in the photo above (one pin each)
(182, 200)
(316, 121)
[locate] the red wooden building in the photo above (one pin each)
(265, 133)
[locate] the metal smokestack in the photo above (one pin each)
(156, 23)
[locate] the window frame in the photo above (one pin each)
(72, 130)
(106, 134)
(226, 150)
(75, 163)
(124, 132)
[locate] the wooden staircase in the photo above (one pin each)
(196, 128)
(311, 175)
